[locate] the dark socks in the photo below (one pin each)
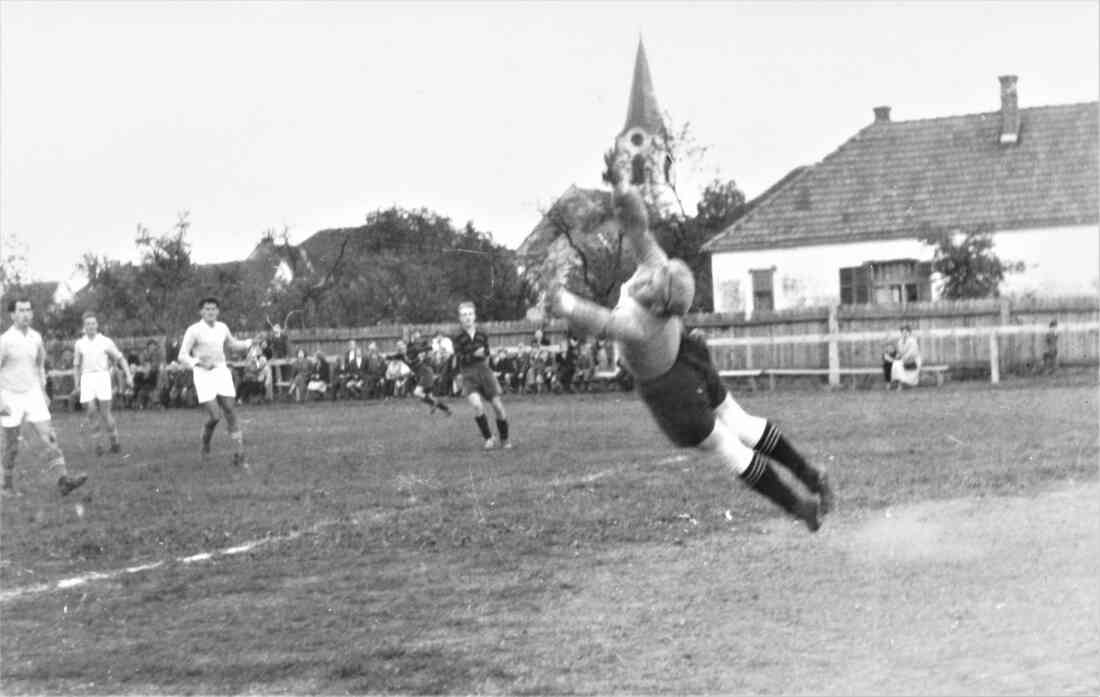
(502, 429)
(776, 446)
(483, 426)
(761, 476)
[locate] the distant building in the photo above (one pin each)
(846, 230)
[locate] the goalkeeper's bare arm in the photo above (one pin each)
(676, 378)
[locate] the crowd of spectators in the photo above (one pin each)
(269, 373)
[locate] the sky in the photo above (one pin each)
(254, 116)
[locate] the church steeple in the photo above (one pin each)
(641, 154)
(642, 111)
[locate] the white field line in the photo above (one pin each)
(66, 583)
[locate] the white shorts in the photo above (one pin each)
(24, 406)
(213, 382)
(95, 385)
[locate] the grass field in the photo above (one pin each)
(392, 555)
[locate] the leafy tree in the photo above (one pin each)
(402, 266)
(587, 252)
(967, 264)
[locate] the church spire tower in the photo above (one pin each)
(641, 153)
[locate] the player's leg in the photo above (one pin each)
(474, 398)
(765, 437)
(757, 472)
(54, 457)
(502, 420)
(213, 416)
(421, 391)
(93, 422)
(10, 451)
(232, 423)
(110, 425)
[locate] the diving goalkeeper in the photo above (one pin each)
(676, 378)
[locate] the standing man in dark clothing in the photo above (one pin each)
(478, 380)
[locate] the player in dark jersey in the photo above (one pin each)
(416, 355)
(676, 378)
(478, 380)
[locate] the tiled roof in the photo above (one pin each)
(897, 179)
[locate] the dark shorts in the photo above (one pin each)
(480, 378)
(683, 400)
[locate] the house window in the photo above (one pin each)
(897, 281)
(763, 295)
(855, 286)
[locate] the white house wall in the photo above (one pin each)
(804, 276)
(1060, 261)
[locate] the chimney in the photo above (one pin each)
(882, 114)
(1010, 111)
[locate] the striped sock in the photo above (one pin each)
(776, 446)
(762, 478)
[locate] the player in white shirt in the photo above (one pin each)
(203, 351)
(92, 358)
(23, 398)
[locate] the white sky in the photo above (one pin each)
(256, 115)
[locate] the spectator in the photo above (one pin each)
(374, 375)
(906, 363)
(539, 340)
(567, 362)
(299, 376)
(397, 374)
(350, 371)
(280, 343)
(320, 377)
(585, 368)
(255, 376)
(149, 375)
(1050, 355)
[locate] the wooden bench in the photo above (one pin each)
(937, 370)
(747, 373)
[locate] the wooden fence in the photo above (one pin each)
(962, 334)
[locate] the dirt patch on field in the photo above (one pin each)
(966, 596)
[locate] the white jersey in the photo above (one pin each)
(95, 354)
(205, 341)
(21, 356)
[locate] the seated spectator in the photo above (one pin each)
(181, 386)
(320, 377)
(374, 374)
(350, 372)
(907, 361)
(397, 374)
(148, 376)
(623, 377)
(254, 377)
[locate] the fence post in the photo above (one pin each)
(834, 349)
(994, 359)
